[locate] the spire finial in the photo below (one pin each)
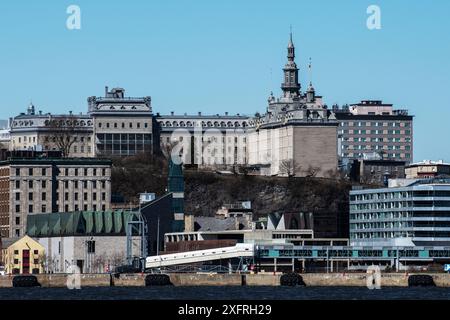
(290, 35)
(310, 71)
(291, 43)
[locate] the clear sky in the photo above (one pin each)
(217, 56)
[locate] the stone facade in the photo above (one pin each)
(69, 133)
(34, 185)
(123, 126)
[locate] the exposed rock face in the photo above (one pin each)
(327, 199)
(205, 192)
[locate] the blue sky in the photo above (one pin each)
(217, 56)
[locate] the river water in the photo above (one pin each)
(226, 293)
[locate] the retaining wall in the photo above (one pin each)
(183, 279)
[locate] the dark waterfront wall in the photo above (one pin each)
(183, 279)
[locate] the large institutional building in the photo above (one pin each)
(296, 135)
(46, 185)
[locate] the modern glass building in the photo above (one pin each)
(416, 214)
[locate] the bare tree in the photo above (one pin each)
(116, 259)
(99, 263)
(335, 174)
(289, 167)
(62, 133)
(43, 262)
(312, 171)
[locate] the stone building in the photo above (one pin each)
(298, 134)
(45, 185)
(206, 140)
(72, 134)
(123, 126)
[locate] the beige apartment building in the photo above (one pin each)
(41, 185)
(372, 127)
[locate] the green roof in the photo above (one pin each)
(86, 223)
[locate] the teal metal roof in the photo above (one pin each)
(79, 223)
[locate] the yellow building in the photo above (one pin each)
(23, 256)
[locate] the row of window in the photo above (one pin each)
(375, 124)
(379, 215)
(82, 149)
(376, 132)
(400, 195)
(66, 184)
(66, 171)
(381, 235)
(207, 139)
(381, 225)
(400, 204)
(372, 147)
(399, 234)
(222, 124)
(387, 155)
(122, 125)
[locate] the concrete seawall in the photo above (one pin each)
(181, 279)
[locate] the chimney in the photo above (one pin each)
(40, 112)
(70, 112)
(106, 91)
(199, 113)
(171, 113)
(226, 113)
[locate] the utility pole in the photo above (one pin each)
(157, 239)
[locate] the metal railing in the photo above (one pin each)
(197, 269)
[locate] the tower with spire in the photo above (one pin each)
(310, 92)
(291, 87)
